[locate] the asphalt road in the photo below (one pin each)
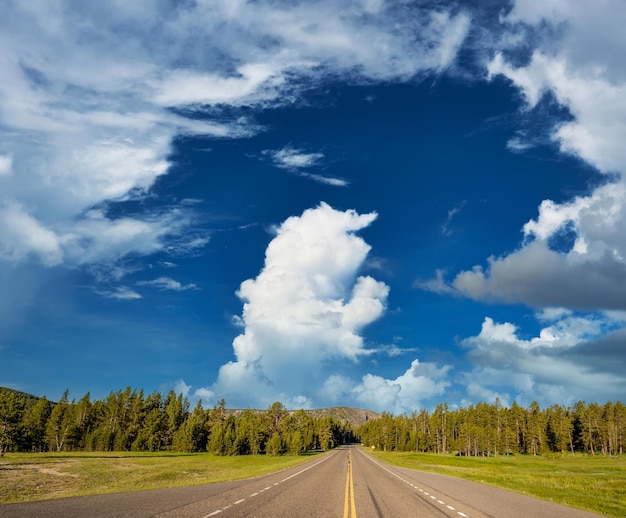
(343, 483)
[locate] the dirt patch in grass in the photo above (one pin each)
(33, 481)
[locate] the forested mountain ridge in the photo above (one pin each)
(343, 414)
(26, 395)
(352, 416)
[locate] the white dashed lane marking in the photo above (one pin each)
(416, 487)
(218, 511)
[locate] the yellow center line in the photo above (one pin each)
(349, 506)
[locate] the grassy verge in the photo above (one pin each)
(33, 476)
(596, 484)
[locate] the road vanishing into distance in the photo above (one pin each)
(345, 482)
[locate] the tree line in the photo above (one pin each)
(492, 429)
(129, 420)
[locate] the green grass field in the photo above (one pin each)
(596, 484)
(39, 476)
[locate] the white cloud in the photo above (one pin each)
(478, 392)
(328, 180)
(302, 317)
(304, 309)
(596, 102)
(392, 350)
(518, 144)
(587, 34)
(120, 293)
(409, 391)
(183, 87)
(295, 160)
(180, 387)
(436, 285)
(336, 389)
(84, 125)
(167, 283)
(539, 276)
(23, 236)
(575, 58)
(6, 165)
(445, 227)
(571, 359)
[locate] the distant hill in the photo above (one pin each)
(25, 395)
(353, 416)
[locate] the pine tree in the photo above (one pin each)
(59, 424)
(274, 444)
(536, 426)
(192, 435)
(177, 411)
(11, 415)
(35, 420)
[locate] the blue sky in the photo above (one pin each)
(381, 204)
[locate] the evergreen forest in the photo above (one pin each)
(129, 420)
(492, 429)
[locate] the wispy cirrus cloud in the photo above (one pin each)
(328, 180)
(297, 161)
(92, 124)
(167, 283)
(294, 159)
(120, 293)
(445, 227)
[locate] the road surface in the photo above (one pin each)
(344, 483)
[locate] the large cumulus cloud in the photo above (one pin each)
(303, 315)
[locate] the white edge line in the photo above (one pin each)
(419, 489)
(214, 513)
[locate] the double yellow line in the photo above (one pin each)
(349, 507)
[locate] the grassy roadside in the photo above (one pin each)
(39, 476)
(596, 484)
